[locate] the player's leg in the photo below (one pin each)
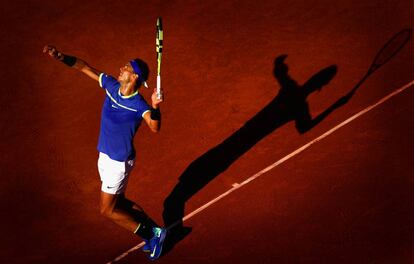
(115, 206)
(136, 210)
(139, 215)
(152, 234)
(128, 219)
(128, 204)
(121, 217)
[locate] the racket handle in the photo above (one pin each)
(159, 94)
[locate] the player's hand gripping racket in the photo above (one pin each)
(158, 49)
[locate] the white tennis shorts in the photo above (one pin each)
(114, 174)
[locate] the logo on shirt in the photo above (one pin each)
(114, 106)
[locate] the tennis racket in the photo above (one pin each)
(158, 50)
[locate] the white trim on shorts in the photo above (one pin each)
(114, 174)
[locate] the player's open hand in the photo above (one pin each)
(154, 98)
(53, 52)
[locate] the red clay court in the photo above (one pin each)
(234, 75)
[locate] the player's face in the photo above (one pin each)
(126, 73)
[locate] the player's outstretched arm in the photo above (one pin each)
(72, 61)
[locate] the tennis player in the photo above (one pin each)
(123, 110)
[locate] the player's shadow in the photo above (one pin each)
(290, 104)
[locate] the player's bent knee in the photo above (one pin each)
(106, 211)
(107, 204)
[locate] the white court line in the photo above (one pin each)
(277, 163)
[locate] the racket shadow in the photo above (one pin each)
(290, 104)
(388, 51)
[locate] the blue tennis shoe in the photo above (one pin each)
(156, 242)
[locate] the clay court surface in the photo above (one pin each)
(348, 198)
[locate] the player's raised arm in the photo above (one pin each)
(72, 61)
